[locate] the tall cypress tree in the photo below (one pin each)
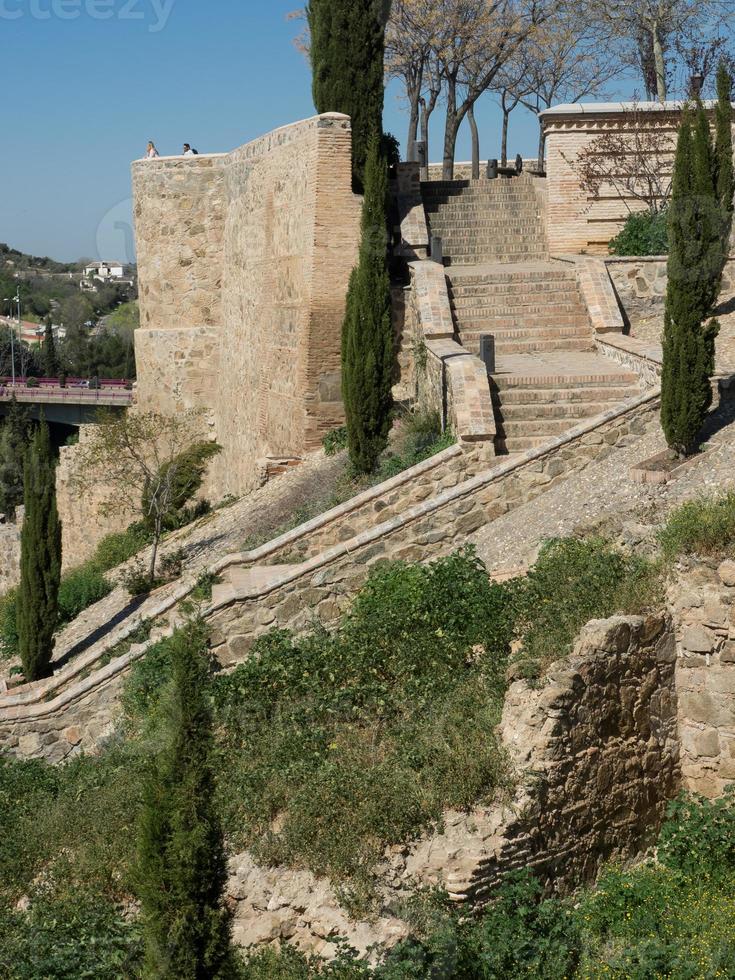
(50, 360)
(724, 180)
(13, 445)
(347, 57)
(694, 259)
(37, 604)
(182, 869)
(367, 335)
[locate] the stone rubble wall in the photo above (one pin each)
(595, 756)
(640, 283)
(9, 555)
(703, 602)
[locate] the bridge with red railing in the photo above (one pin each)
(75, 402)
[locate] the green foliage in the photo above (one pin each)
(705, 526)
(75, 935)
(79, 589)
(571, 583)
(367, 334)
(699, 835)
(335, 441)
(347, 44)
(698, 249)
(420, 436)
(116, 548)
(181, 868)
(644, 233)
(50, 359)
(8, 625)
(40, 560)
(361, 738)
(137, 579)
(182, 477)
(14, 440)
(723, 155)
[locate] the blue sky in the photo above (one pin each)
(87, 82)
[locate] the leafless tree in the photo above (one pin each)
(634, 164)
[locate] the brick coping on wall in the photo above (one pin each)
(33, 703)
(613, 108)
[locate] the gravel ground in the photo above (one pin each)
(604, 499)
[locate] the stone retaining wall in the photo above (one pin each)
(9, 555)
(595, 755)
(640, 283)
(703, 602)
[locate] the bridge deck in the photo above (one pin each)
(54, 395)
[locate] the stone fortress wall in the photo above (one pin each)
(244, 261)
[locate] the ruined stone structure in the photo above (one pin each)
(244, 260)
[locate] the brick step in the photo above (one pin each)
(519, 444)
(523, 195)
(556, 330)
(519, 246)
(455, 239)
(550, 428)
(533, 324)
(554, 410)
(499, 258)
(577, 382)
(538, 286)
(530, 346)
(455, 231)
(473, 308)
(536, 398)
(476, 189)
(479, 212)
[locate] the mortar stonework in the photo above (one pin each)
(244, 261)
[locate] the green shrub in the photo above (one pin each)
(8, 625)
(420, 437)
(137, 579)
(361, 737)
(75, 935)
(699, 835)
(644, 233)
(571, 583)
(31, 382)
(116, 548)
(700, 527)
(81, 588)
(335, 441)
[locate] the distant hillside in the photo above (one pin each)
(11, 258)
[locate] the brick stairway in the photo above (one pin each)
(548, 377)
(485, 220)
(528, 307)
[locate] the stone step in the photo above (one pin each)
(535, 398)
(451, 231)
(486, 250)
(462, 239)
(491, 321)
(536, 274)
(539, 289)
(472, 307)
(518, 444)
(530, 428)
(477, 255)
(510, 412)
(532, 345)
(561, 382)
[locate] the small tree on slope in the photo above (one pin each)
(37, 607)
(367, 335)
(181, 869)
(50, 358)
(347, 48)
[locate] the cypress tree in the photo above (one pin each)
(13, 445)
(181, 869)
(694, 258)
(37, 604)
(367, 335)
(724, 180)
(50, 359)
(347, 57)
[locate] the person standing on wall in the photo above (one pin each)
(188, 152)
(151, 152)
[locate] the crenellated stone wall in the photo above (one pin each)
(244, 261)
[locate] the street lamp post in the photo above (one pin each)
(13, 299)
